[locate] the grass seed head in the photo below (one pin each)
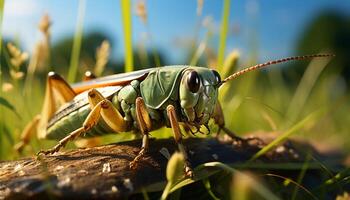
(17, 56)
(6, 87)
(45, 24)
(141, 11)
(102, 57)
(16, 74)
(199, 7)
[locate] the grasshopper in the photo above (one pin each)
(140, 101)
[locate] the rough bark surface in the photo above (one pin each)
(103, 172)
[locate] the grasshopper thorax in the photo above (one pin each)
(198, 93)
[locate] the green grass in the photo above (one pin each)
(305, 86)
(284, 136)
(2, 127)
(127, 34)
(258, 102)
(2, 3)
(223, 32)
(74, 62)
(304, 168)
(203, 175)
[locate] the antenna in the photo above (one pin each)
(243, 71)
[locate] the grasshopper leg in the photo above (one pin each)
(144, 122)
(101, 107)
(220, 121)
(88, 142)
(109, 113)
(89, 122)
(55, 85)
(178, 138)
(27, 133)
(57, 90)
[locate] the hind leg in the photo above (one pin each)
(100, 107)
(57, 92)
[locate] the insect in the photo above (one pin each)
(140, 101)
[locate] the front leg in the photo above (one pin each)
(144, 123)
(220, 121)
(178, 138)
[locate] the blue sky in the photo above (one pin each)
(276, 24)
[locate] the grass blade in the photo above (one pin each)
(223, 33)
(301, 175)
(258, 187)
(202, 172)
(127, 29)
(2, 3)
(308, 81)
(9, 137)
(74, 61)
(198, 52)
(207, 186)
(293, 182)
(144, 194)
(8, 105)
(308, 119)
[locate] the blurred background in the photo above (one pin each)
(70, 37)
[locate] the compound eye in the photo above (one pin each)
(193, 81)
(217, 76)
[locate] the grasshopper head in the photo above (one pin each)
(198, 90)
(198, 94)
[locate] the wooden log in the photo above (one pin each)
(103, 172)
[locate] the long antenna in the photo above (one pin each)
(243, 71)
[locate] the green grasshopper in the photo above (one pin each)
(140, 101)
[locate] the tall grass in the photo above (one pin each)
(127, 30)
(203, 172)
(199, 51)
(2, 3)
(74, 61)
(141, 11)
(223, 32)
(283, 137)
(301, 175)
(305, 86)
